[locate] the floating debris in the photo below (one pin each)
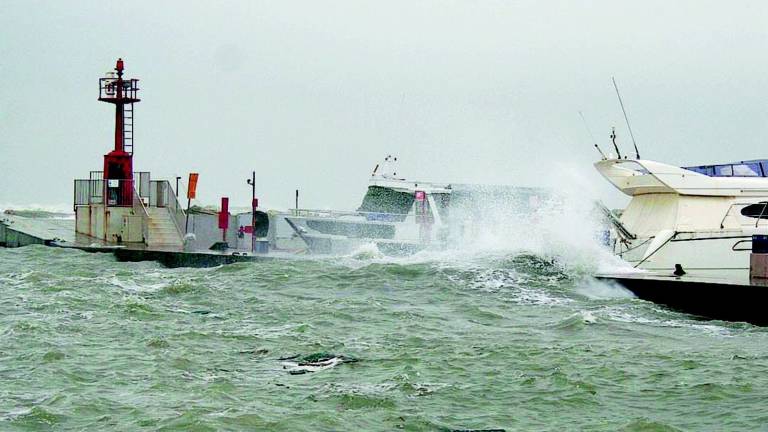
(478, 430)
(255, 351)
(314, 362)
(201, 312)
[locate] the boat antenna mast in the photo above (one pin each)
(592, 136)
(637, 153)
(613, 140)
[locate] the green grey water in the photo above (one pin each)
(502, 340)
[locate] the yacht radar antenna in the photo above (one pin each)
(592, 136)
(613, 139)
(637, 153)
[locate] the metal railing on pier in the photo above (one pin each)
(114, 193)
(141, 180)
(140, 209)
(139, 194)
(88, 192)
(161, 194)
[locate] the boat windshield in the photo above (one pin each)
(385, 204)
(753, 168)
(380, 199)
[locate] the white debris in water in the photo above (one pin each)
(299, 368)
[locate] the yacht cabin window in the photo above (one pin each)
(756, 168)
(757, 211)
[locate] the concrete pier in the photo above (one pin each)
(18, 231)
(174, 259)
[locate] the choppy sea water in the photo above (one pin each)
(498, 340)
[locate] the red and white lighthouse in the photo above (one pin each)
(118, 164)
(118, 205)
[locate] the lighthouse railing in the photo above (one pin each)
(88, 192)
(112, 192)
(141, 178)
(108, 90)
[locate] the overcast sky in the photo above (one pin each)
(313, 94)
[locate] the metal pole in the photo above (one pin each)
(253, 211)
(297, 202)
(637, 153)
(177, 186)
(252, 181)
(186, 223)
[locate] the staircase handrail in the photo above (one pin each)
(174, 208)
(140, 209)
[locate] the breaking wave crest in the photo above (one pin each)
(563, 230)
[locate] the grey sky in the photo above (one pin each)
(313, 94)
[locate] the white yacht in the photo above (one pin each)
(701, 218)
(397, 215)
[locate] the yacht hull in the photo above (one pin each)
(712, 298)
(718, 254)
(328, 245)
(330, 236)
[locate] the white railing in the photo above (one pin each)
(734, 211)
(138, 194)
(161, 194)
(369, 216)
(140, 209)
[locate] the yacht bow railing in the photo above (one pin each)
(369, 216)
(620, 228)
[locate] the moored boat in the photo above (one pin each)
(698, 219)
(396, 215)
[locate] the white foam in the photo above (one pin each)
(600, 290)
(51, 208)
(588, 317)
(562, 225)
(131, 286)
(366, 252)
(621, 313)
(314, 367)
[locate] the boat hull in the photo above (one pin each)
(336, 245)
(709, 298)
(334, 236)
(709, 254)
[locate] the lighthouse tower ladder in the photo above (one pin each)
(128, 128)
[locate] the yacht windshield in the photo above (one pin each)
(754, 168)
(385, 200)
